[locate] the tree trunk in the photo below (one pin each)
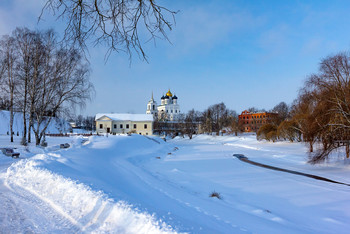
(37, 139)
(11, 121)
(11, 113)
(347, 150)
(30, 126)
(29, 130)
(311, 146)
(24, 137)
(24, 112)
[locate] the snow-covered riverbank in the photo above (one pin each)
(131, 184)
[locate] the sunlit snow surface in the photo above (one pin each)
(134, 184)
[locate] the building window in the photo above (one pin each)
(115, 126)
(101, 125)
(175, 111)
(134, 125)
(145, 126)
(167, 111)
(153, 107)
(121, 126)
(171, 111)
(127, 126)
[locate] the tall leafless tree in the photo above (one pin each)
(42, 78)
(8, 60)
(64, 83)
(323, 108)
(24, 42)
(215, 118)
(283, 112)
(191, 122)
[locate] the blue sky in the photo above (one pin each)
(243, 53)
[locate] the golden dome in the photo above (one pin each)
(169, 94)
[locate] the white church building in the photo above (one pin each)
(168, 109)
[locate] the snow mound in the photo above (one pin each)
(88, 210)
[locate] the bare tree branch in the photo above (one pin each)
(120, 24)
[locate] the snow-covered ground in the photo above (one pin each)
(137, 184)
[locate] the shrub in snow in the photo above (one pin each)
(215, 194)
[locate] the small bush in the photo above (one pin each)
(263, 133)
(271, 136)
(215, 194)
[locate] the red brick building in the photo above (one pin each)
(251, 122)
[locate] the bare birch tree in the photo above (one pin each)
(24, 42)
(8, 59)
(41, 78)
(63, 83)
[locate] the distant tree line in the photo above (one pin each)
(87, 123)
(215, 119)
(321, 113)
(41, 78)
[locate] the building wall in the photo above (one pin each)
(251, 122)
(103, 125)
(124, 126)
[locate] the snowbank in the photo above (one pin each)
(90, 211)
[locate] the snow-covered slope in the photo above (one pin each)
(56, 125)
(134, 184)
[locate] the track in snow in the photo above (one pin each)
(23, 212)
(246, 160)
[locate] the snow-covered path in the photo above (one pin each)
(23, 212)
(38, 200)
